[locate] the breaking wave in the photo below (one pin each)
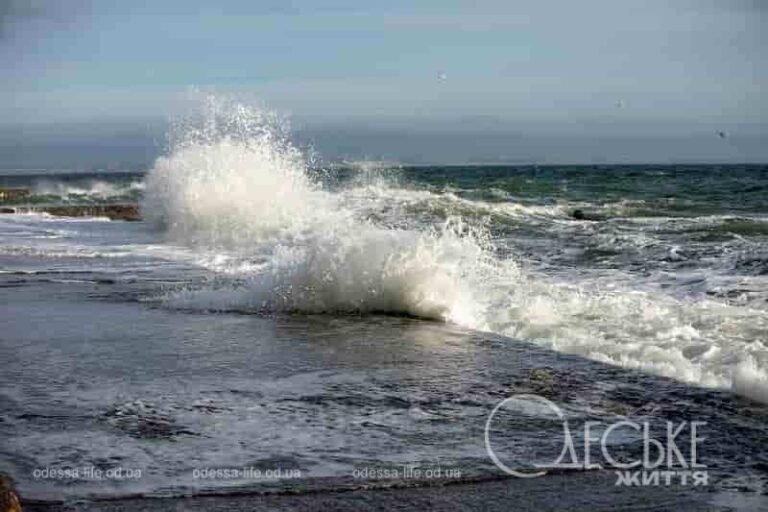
(232, 184)
(87, 189)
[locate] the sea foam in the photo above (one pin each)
(233, 184)
(86, 189)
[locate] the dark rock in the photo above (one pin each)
(580, 214)
(9, 500)
(112, 211)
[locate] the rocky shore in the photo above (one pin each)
(128, 212)
(17, 201)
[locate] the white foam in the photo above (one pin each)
(750, 379)
(232, 183)
(95, 188)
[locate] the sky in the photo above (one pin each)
(545, 80)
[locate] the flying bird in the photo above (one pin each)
(722, 135)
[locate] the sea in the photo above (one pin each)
(274, 321)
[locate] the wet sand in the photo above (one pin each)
(583, 491)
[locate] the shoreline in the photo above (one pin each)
(575, 490)
(127, 212)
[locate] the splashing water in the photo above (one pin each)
(233, 184)
(237, 184)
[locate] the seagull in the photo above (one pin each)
(722, 135)
(442, 76)
(620, 104)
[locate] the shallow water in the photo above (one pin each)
(95, 377)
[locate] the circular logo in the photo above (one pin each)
(521, 398)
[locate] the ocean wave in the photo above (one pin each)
(95, 187)
(81, 190)
(233, 183)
